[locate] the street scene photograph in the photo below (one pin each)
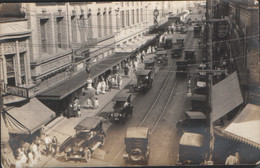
(130, 83)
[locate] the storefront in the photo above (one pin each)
(244, 135)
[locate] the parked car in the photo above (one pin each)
(136, 145)
(182, 68)
(123, 109)
(89, 136)
(180, 42)
(201, 84)
(144, 80)
(161, 57)
(195, 122)
(199, 102)
(190, 57)
(176, 51)
(149, 61)
(192, 149)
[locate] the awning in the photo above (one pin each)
(226, 96)
(245, 127)
(77, 81)
(28, 118)
(4, 131)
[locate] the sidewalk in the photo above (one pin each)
(63, 128)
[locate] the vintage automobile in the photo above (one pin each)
(190, 57)
(182, 68)
(199, 102)
(201, 84)
(202, 67)
(178, 28)
(89, 136)
(192, 149)
(176, 51)
(144, 80)
(123, 109)
(136, 145)
(184, 29)
(180, 42)
(161, 57)
(149, 64)
(195, 122)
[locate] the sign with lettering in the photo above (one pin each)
(222, 29)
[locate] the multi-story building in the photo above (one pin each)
(45, 48)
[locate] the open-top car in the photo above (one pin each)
(161, 57)
(195, 122)
(89, 136)
(144, 80)
(123, 109)
(136, 145)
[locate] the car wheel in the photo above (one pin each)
(88, 155)
(102, 140)
(136, 154)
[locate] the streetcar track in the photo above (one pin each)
(168, 77)
(156, 100)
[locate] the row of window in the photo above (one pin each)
(135, 18)
(82, 25)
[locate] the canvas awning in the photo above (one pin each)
(226, 95)
(246, 126)
(28, 118)
(77, 81)
(4, 131)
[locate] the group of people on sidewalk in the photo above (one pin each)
(31, 153)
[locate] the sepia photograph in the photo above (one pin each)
(130, 83)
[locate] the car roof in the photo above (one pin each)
(195, 115)
(121, 96)
(88, 123)
(137, 132)
(192, 139)
(142, 72)
(198, 97)
(161, 52)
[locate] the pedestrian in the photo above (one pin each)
(109, 82)
(231, 160)
(238, 157)
(103, 86)
(126, 70)
(26, 147)
(55, 145)
(96, 104)
(30, 158)
(47, 144)
(142, 58)
(23, 158)
(119, 81)
(18, 163)
(36, 151)
(98, 88)
(87, 70)
(135, 65)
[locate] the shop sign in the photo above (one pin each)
(222, 29)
